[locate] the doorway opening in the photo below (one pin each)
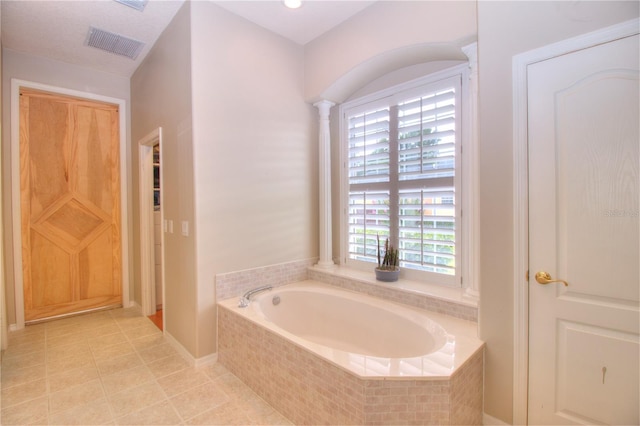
(151, 235)
(157, 240)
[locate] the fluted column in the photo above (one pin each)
(326, 258)
(473, 250)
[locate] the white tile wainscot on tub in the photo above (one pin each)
(431, 297)
(312, 383)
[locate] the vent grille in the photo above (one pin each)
(114, 43)
(136, 4)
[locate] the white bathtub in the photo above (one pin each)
(367, 336)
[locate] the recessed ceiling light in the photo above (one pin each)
(292, 4)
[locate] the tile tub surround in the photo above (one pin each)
(309, 389)
(435, 298)
(448, 301)
(235, 284)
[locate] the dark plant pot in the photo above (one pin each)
(387, 276)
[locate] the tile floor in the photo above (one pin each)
(115, 367)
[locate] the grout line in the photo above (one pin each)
(214, 378)
(154, 379)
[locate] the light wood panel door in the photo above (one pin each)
(70, 204)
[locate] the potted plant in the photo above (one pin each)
(388, 269)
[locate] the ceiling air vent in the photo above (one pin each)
(136, 4)
(114, 43)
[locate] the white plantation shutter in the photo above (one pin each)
(368, 169)
(402, 165)
(427, 137)
(427, 230)
(369, 147)
(368, 217)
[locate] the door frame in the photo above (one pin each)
(521, 195)
(16, 84)
(145, 191)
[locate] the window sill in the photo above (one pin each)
(456, 296)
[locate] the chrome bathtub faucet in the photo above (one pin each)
(246, 298)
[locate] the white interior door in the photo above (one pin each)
(584, 161)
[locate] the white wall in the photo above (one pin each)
(161, 97)
(506, 29)
(3, 308)
(46, 71)
(383, 38)
(239, 157)
(255, 153)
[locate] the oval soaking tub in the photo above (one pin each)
(350, 322)
(323, 355)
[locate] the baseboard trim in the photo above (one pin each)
(181, 349)
(490, 420)
(206, 360)
(184, 353)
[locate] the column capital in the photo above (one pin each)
(324, 106)
(471, 52)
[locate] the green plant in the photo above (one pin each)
(390, 260)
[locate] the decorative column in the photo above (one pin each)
(471, 195)
(326, 259)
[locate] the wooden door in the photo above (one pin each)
(584, 175)
(70, 204)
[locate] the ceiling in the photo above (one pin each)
(301, 25)
(57, 29)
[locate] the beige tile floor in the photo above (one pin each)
(115, 367)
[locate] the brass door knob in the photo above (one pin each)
(544, 278)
